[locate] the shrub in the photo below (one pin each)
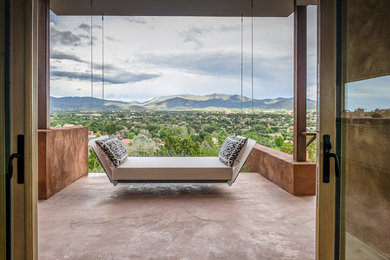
(142, 145)
(176, 146)
(279, 141)
(93, 162)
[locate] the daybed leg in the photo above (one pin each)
(115, 183)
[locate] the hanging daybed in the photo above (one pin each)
(175, 169)
(172, 169)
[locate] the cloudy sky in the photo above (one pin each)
(147, 57)
(369, 94)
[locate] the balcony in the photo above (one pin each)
(253, 219)
(257, 218)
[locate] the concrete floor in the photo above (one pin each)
(253, 219)
(357, 250)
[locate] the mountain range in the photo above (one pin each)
(173, 103)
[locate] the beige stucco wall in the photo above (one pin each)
(368, 39)
(366, 158)
(297, 178)
(367, 173)
(62, 158)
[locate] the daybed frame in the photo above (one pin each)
(172, 169)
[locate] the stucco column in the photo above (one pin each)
(43, 64)
(300, 72)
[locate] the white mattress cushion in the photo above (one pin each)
(173, 162)
(173, 168)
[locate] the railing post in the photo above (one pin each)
(300, 72)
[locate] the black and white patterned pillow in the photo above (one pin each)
(230, 149)
(114, 149)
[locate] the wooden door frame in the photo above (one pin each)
(325, 220)
(24, 121)
(2, 133)
(24, 78)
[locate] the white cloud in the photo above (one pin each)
(176, 55)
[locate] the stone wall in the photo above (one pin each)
(62, 158)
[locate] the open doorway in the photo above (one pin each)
(215, 61)
(338, 30)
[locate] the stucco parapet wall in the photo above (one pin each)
(62, 158)
(64, 129)
(297, 178)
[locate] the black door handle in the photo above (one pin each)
(20, 157)
(327, 156)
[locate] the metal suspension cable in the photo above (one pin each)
(91, 56)
(252, 50)
(242, 58)
(102, 56)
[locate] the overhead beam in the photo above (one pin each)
(306, 2)
(300, 72)
(43, 64)
(228, 8)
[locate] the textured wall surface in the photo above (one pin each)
(298, 178)
(367, 170)
(62, 158)
(368, 39)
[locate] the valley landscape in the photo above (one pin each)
(174, 103)
(182, 125)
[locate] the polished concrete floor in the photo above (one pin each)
(253, 219)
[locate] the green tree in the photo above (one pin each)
(176, 146)
(110, 128)
(287, 147)
(312, 152)
(279, 141)
(131, 135)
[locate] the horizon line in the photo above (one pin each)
(177, 95)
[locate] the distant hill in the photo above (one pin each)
(77, 104)
(172, 103)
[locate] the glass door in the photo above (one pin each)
(363, 130)
(18, 170)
